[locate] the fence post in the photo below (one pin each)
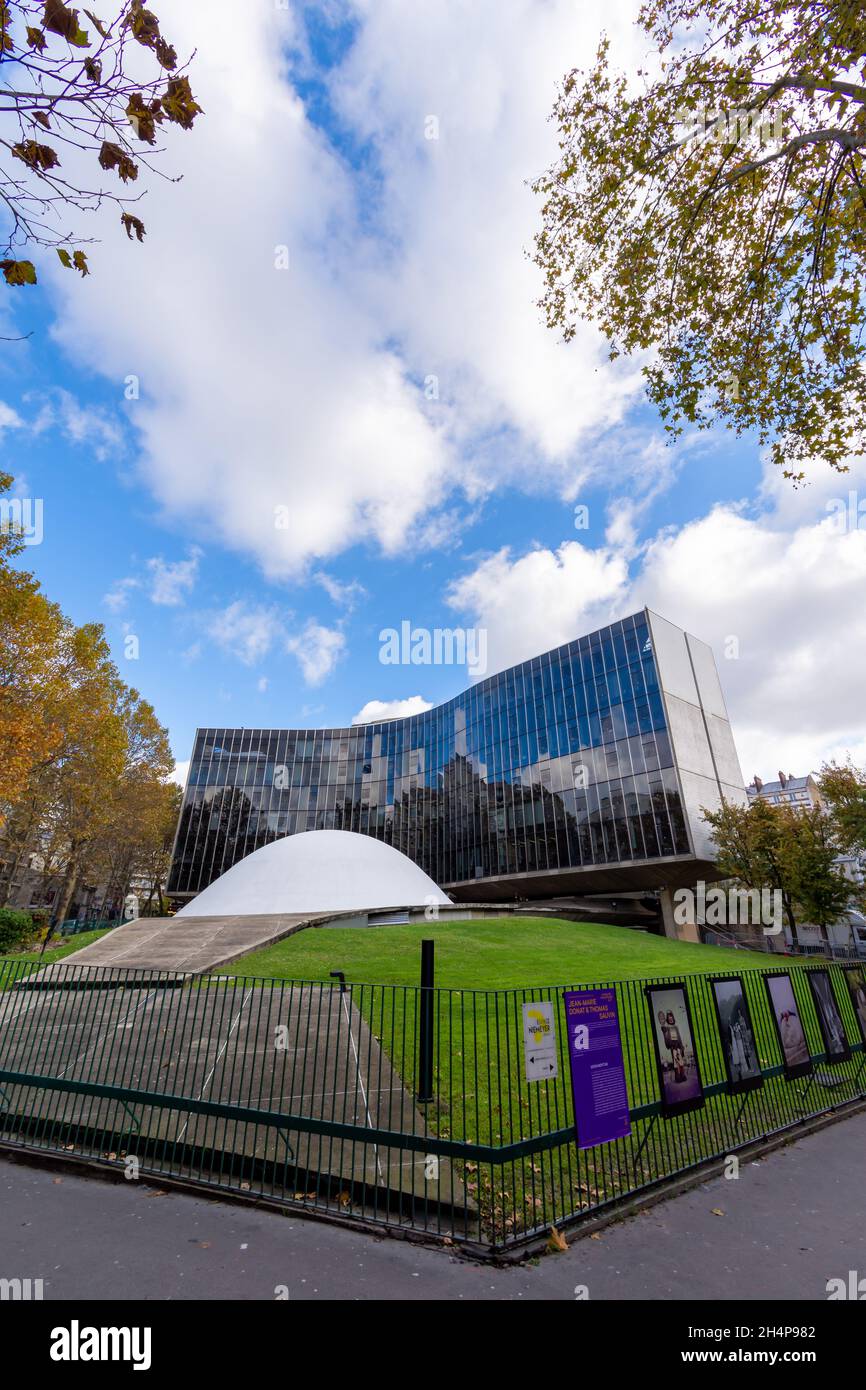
(425, 1025)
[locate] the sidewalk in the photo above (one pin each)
(787, 1225)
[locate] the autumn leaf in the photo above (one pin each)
(42, 118)
(77, 261)
(93, 69)
(133, 224)
(36, 38)
(113, 157)
(34, 155)
(557, 1240)
(143, 23)
(19, 272)
(143, 117)
(59, 19)
(178, 103)
(97, 24)
(166, 55)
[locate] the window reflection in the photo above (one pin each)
(561, 762)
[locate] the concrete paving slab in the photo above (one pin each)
(190, 944)
(296, 1050)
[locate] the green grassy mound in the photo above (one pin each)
(500, 953)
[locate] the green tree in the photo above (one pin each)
(31, 631)
(792, 851)
(750, 848)
(69, 87)
(713, 215)
(136, 843)
(126, 746)
(843, 790)
(810, 850)
(84, 761)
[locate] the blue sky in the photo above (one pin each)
(304, 388)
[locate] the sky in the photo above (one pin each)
(320, 402)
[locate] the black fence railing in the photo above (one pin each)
(389, 1104)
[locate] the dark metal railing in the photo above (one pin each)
(390, 1104)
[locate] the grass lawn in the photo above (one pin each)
(480, 1091)
(68, 946)
(501, 953)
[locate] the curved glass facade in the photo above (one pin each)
(559, 764)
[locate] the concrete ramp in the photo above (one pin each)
(193, 944)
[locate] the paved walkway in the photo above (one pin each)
(193, 944)
(217, 1044)
(787, 1225)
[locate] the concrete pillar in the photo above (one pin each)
(677, 930)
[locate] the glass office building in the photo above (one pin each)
(558, 775)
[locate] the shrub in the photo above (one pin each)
(16, 928)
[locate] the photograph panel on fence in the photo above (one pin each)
(855, 979)
(789, 1026)
(676, 1055)
(829, 1018)
(737, 1034)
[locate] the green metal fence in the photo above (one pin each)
(307, 1093)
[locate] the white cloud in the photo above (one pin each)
(168, 583)
(88, 425)
(9, 419)
(375, 710)
(786, 583)
(460, 288)
(117, 597)
(346, 594)
(303, 389)
(81, 424)
(181, 772)
(171, 581)
(245, 631)
(262, 684)
(542, 598)
(318, 649)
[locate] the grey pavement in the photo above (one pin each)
(189, 944)
(218, 1044)
(790, 1222)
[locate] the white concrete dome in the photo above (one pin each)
(317, 871)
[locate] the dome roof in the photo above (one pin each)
(317, 871)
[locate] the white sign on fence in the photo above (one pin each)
(539, 1042)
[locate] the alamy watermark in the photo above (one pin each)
(847, 513)
(721, 907)
(77, 1343)
(853, 1288)
(21, 1290)
(729, 127)
(438, 646)
(22, 517)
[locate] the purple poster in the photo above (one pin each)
(597, 1070)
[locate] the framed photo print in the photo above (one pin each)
(737, 1034)
(676, 1055)
(855, 979)
(789, 1026)
(829, 1018)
